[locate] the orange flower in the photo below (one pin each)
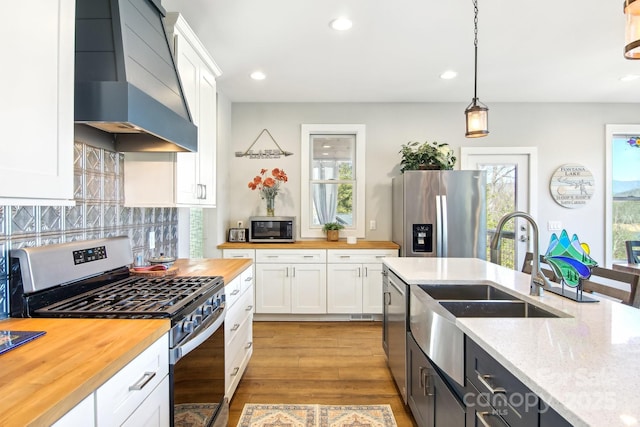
(269, 182)
(257, 180)
(269, 186)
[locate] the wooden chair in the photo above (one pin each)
(633, 251)
(614, 284)
(544, 267)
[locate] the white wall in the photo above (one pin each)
(563, 133)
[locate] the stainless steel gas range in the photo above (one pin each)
(91, 279)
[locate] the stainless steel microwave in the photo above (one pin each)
(272, 229)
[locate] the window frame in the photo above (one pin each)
(611, 132)
(359, 131)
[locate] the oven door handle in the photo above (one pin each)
(208, 328)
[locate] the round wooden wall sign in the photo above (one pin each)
(572, 185)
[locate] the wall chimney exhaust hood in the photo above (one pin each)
(126, 81)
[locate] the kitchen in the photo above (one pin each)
(561, 127)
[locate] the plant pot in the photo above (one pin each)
(428, 167)
(333, 235)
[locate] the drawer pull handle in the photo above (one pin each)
(493, 390)
(235, 371)
(307, 256)
(235, 327)
(248, 279)
(380, 256)
(237, 256)
(345, 256)
(235, 292)
(148, 376)
(249, 308)
(480, 416)
(248, 346)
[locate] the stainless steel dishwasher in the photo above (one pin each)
(394, 331)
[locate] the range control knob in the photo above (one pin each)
(187, 326)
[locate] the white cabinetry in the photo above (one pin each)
(83, 414)
(291, 281)
(238, 329)
(181, 179)
(137, 395)
(36, 116)
(354, 283)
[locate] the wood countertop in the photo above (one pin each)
(314, 244)
(43, 379)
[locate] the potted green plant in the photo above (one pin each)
(333, 230)
(426, 156)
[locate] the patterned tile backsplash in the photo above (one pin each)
(99, 212)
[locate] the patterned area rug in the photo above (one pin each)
(193, 414)
(256, 415)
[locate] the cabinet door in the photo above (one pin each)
(372, 288)
(308, 288)
(273, 288)
(448, 410)
(83, 414)
(37, 102)
(344, 288)
(419, 396)
(206, 192)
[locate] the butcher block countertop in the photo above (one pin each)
(313, 244)
(43, 379)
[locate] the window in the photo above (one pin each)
(623, 190)
(332, 176)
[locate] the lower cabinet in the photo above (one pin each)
(495, 397)
(431, 400)
(238, 329)
(137, 395)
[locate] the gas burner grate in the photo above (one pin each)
(136, 297)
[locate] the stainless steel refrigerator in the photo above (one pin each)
(440, 214)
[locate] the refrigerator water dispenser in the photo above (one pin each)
(422, 238)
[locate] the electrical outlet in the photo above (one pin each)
(554, 225)
(372, 224)
(152, 240)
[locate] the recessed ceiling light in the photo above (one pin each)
(630, 77)
(341, 24)
(448, 75)
(258, 75)
(326, 146)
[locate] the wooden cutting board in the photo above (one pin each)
(171, 271)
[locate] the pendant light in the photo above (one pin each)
(632, 29)
(477, 114)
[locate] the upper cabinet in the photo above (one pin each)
(181, 179)
(36, 112)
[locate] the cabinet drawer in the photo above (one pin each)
(237, 315)
(291, 255)
(237, 357)
(239, 253)
(359, 255)
(246, 279)
(125, 391)
(506, 394)
(232, 291)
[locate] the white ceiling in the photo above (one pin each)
(529, 51)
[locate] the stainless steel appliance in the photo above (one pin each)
(394, 332)
(440, 213)
(238, 235)
(272, 229)
(91, 279)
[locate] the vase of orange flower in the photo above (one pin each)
(269, 186)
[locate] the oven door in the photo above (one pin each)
(197, 377)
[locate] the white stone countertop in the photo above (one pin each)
(587, 366)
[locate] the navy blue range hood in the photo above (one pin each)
(126, 81)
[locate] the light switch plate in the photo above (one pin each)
(554, 225)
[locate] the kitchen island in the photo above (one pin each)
(42, 380)
(583, 365)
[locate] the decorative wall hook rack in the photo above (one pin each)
(264, 154)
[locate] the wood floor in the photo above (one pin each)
(333, 363)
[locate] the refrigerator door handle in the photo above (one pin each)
(445, 226)
(438, 227)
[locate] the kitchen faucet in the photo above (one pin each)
(538, 280)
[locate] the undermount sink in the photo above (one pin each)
(494, 309)
(467, 292)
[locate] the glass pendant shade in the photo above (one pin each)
(632, 29)
(477, 118)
